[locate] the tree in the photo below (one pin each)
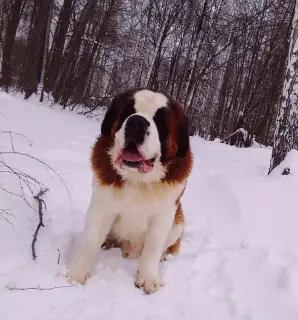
(67, 66)
(287, 121)
(224, 61)
(33, 68)
(13, 22)
(58, 45)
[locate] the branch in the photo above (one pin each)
(38, 288)
(10, 133)
(3, 213)
(58, 261)
(40, 224)
(49, 168)
(231, 135)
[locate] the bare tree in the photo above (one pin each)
(12, 25)
(32, 71)
(224, 61)
(286, 131)
(59, 40)
(67, 66)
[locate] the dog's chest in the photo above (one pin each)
(136, 206)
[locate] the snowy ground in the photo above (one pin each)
(239, 257)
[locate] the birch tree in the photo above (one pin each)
(287, 121)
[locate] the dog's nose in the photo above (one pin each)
(136, 129)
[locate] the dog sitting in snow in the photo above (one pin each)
(140, 163)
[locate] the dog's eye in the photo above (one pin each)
(128, 111)
(160, 119)
(147, 133)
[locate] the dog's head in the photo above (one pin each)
(148, 131)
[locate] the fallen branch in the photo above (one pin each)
(38, 288)
(242, 139)
(231, 135)
(40, 202)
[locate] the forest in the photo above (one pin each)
(233, 67)
(224, 61)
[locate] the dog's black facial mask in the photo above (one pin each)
(160, 119)
(113, 111)
(183, 138)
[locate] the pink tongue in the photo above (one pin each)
(145, 166)
(131, 156)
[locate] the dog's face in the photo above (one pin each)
(148, 131)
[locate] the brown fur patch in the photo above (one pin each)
(179, 219)
(101, 163)
(174, 248)
(179, 216)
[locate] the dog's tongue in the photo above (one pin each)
(146, 166)
(132, 156)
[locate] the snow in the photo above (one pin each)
(239, 255)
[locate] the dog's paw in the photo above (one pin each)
(76, 275)
(149, 284)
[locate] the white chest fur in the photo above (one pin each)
(135, 205)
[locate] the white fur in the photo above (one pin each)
(142, 214)
(147, 101)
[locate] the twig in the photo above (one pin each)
(38, 288)
(2, 114)
(17, 134)
(40, 223)
(24, 180)
(58, 261)
(45, 165)
(5, 212)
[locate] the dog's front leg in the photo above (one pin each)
(148, 276)
(98, 224)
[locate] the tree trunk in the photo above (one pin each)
(36, 49)
(46, 51)
(58, 45)
(80, 80)
(70, 53)
(12, 26)
(159, 43)
(287, 120)
(193, 56)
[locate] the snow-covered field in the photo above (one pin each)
(239, 256)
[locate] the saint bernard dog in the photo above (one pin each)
(140, 164)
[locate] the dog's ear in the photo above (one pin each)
(110, 117)
(183, 138)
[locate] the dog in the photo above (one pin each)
(140, 163)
